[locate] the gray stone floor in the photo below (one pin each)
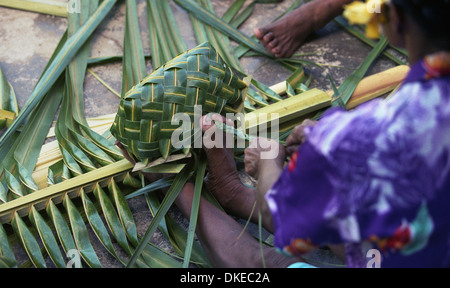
(27, 41)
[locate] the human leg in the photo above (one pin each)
(223, 240)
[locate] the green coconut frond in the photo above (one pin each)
(197, 77)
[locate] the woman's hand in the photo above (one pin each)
(262, 150)
(297, 136)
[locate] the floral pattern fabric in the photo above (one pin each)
(377, 177)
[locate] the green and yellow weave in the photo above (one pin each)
(143, 124)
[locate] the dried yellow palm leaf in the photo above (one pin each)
(50, 7)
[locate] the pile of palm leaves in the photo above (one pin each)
(83, 180)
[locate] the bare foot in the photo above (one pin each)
(283, 37)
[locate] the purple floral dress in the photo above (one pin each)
(376, 178)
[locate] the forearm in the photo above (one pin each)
(268, 174)
(222, 238)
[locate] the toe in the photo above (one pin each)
(268, 37)
(259, 33)
(273, 43)
(276, 50)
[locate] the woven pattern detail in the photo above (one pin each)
(196, 77)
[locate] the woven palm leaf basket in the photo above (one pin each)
(143, 124)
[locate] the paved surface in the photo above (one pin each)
(27, 41)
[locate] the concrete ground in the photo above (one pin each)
(28, 39)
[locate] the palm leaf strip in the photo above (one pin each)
(49, 7)
(58, 66)
(79, 230)
(348, 87)
(8, 102)
(206, 16)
